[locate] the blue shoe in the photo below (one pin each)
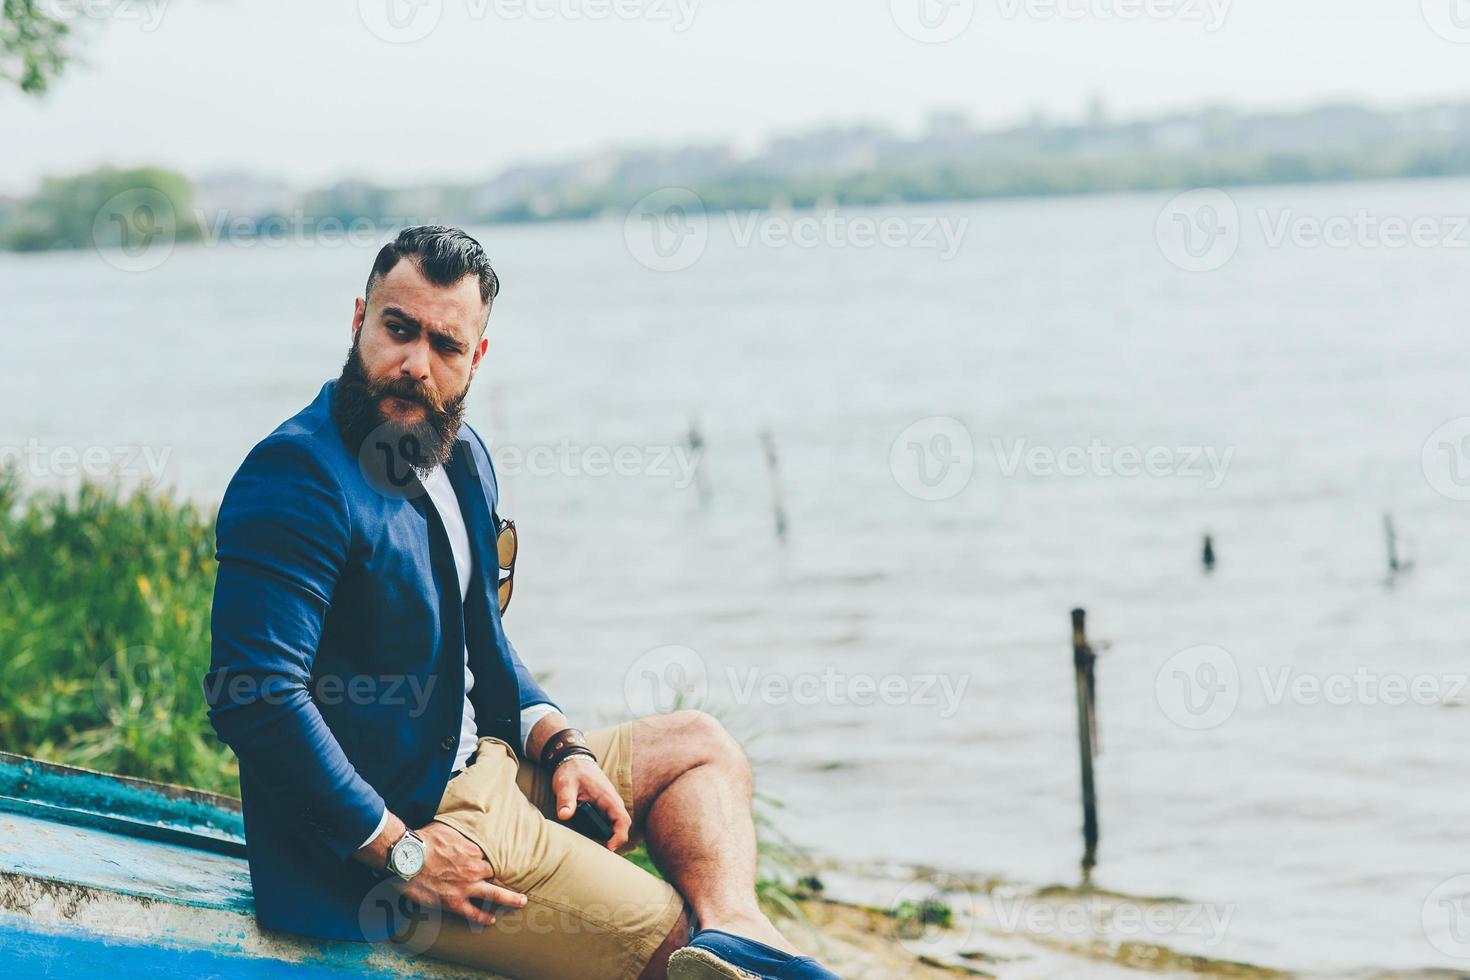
(716, 955)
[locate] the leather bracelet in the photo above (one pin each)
(563, 743)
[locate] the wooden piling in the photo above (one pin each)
(1083, 662)
(1207, 556)
(696, 451)
(1393, 545)
(778, 497)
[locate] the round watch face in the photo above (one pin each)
(408, 856)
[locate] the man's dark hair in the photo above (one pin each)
(443, 255)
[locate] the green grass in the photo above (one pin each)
(104, 632)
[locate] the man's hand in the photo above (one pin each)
(455, 874)
(580, 779)
(456, 877)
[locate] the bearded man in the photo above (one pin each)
(403, 775)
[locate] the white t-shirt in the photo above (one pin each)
(441, 494)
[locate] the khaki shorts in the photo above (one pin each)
(590, 913)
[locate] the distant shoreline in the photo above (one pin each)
(203, 230)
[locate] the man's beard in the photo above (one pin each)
(358, 410)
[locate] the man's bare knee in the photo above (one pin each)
(658, 967)
(710, 742)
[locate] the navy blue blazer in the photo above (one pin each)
(337, 670)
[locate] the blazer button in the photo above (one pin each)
(448, 742)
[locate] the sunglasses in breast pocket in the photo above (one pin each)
(506, 545)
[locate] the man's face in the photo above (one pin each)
(415, 333)
(415, 347)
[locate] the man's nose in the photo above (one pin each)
(416, 362)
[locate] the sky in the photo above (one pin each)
(401, 91)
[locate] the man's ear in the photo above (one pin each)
(359, 314)
(480, 348)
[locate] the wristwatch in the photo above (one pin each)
(406, 858)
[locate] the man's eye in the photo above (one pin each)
(397, 328)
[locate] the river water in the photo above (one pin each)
(969, 444)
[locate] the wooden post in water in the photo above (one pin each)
(696, 451)
(1393, 545)
(1083, 661)
(778, 498)
(1208, 555)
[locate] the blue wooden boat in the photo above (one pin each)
(104, 875)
